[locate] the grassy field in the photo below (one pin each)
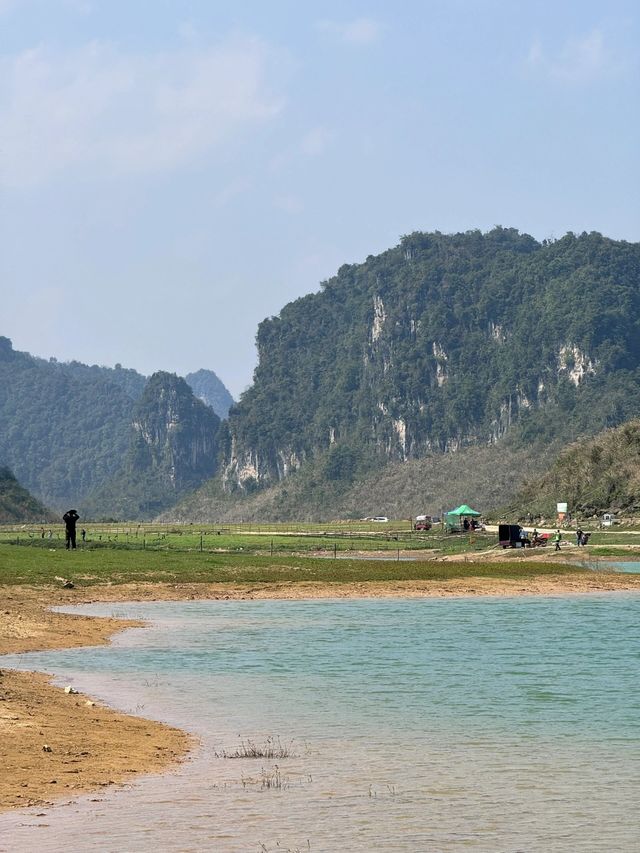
(612, 551)
(312, 539)
(40, 566)
(338, 539)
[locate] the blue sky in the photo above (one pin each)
(171, 173)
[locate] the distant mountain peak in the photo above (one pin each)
(211, 390)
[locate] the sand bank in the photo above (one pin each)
(55, 745)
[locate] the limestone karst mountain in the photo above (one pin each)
(173, 449)
(441, 343)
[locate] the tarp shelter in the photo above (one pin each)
(454, 519)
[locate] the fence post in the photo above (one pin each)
(201, 542)
(335, 550)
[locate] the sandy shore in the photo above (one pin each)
(54, 745)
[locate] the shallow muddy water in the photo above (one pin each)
(412, 725)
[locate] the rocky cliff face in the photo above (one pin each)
(173, 449)
(175, 434)
(445, 341)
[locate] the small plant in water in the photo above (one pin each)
(281, 849)
(271, 748)
(271, 779)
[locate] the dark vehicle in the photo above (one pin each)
(513, 536)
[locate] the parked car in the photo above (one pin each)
(422, 522)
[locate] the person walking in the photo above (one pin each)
(70, 518)
(557, 539)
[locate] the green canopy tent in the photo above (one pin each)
(454, 519)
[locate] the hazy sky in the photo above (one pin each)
(174, 171)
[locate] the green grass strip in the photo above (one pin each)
(37, 566)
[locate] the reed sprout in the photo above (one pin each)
(272, 748)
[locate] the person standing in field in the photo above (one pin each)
(557, 539)
(70, 518)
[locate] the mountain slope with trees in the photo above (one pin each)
(16, 504)
(444, 342)
(595, 475)
(173, 448)
(484, 477)
(440, 345)
(65, 428)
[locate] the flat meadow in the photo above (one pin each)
(345, 552)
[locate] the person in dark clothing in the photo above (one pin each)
(70, 518)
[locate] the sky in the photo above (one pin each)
(172, 172)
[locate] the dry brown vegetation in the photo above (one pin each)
(481, 476)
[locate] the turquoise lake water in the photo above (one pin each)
(629, 566)
(415, 725)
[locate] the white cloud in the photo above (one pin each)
(289, 203)
(231, 191)
(316, 141)
(358, 31)
(118, 113)
(580, 59)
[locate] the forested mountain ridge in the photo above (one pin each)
(594, 475)
(173, 448)
(443, 342)
(16, 504)
(65, 428)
